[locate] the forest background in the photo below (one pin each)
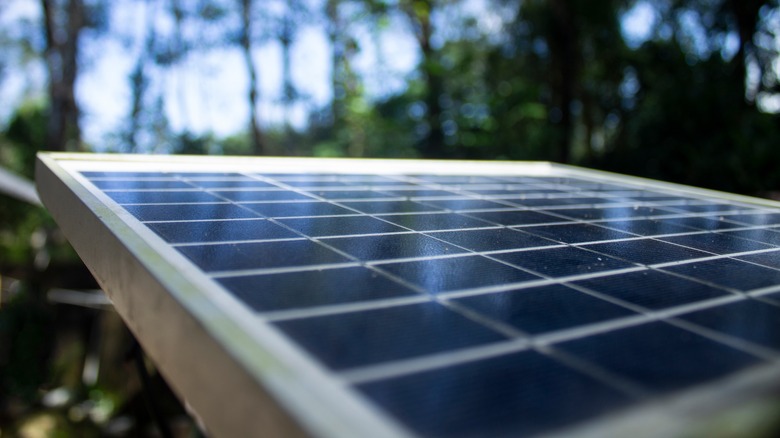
(679, 90)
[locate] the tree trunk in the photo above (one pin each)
(63, 22)
(745, 13)
(246, 46)
(419, 14)
(562, 47)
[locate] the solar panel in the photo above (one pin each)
(424, 298)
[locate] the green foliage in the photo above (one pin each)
(24, 136)
(25, 340)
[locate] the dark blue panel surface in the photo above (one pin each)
(550, 202)
(297, 290)
(262, 195)
(768, 235)
(374, 244)
(187, 212)
(467, 204)
(652, 289)
(561, 262)
(434, 221)
(518, 394)
(707, 208)
(576, 233)
(659, 357)
(510, 218)
(379, 207)
(262, 255)
(344, 226)
(648, 227)
(130, 184)
(707, 223)
(424, 193)
(351, 194)
(232, 184)
(544, 309)
(717, 243)
(770, 259)
(455, 273)
(354, 339)
(492, 239)
(294, 209)
(315, 184)
(169, 197)
(647, 251)
(747, 319)
(611, 212)
(755, 219)
(220, 231)
(125, 175)
(391, 246)
(731, 273)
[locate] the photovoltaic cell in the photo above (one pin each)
(355, 339)
(659, 357)
(517, 394)
(482, 304)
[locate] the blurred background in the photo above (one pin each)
(679, 90)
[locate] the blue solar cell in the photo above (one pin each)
(517, 394)
(763, 219)
(262, 195)
(316, 184)
(344, 226)
(440, 275)
(576, 233)
(260, 255)
(730, 273)
(186, 212)
(707, 208)
(434, 221)
(544, 309)
(380, 207)
(660, 357)
(220, 231)
(171, 197)
(294, 209)
(768, 235)
(611, 212)
(492, 239)
(647, 251)
(468, 204)
(306, 289)
(716, 243)
(423, 193)
(125, 175)
(391, 246)
(516, 218)
(648, 227)
(351, 194)
(132, 184)
(652, 289)
(232, 184)
(747, 319)
(770, 259)
(562, 261)
(551, 202)
(354, 339)
(707, 223)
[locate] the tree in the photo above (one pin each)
(419, 13)
(63, 22)
(245, 39)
